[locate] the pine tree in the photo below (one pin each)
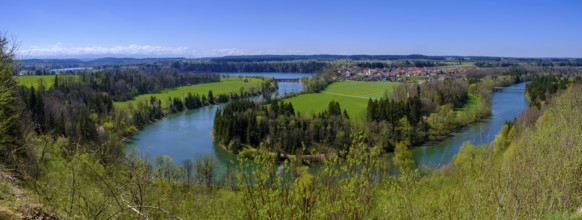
(11, 139)
(210, 97)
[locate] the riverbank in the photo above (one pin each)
(153, 107)
(474, 104)
(476, 110)
(188, 134)
(506, 104)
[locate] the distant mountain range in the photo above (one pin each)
(97, 62)
(261, 58)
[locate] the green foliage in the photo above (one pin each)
(81, 108)
(474, 110)
(441, 122)
(416, 114)
(342, 188)
(447, 92)
(80, 171)
(205, 170)
(11, 138)
(469, 155)
(537, 176)
(403, 158)
(543, 86)
(80, 186)
(318, 82)
(69, 182)
(397, 196)
(387, 109)
(504, 138)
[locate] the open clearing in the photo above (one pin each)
(225, 86)
(353, 96)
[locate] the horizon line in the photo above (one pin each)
(89, 57)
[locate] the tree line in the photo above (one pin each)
(287, 67)
(123, 86)
(318, 82)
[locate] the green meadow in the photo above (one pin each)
(225, 86)
(353, 96)
(473, 102)
(35, 80)
(472, 111)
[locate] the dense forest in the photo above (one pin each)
(245, 123)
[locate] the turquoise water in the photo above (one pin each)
(188, 135)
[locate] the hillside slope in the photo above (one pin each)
(529, 173)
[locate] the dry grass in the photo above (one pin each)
(18, 203)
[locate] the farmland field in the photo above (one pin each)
(35, 80)
(225, 86)
(352, 96)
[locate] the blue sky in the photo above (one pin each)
(169, 28)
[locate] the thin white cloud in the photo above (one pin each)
(229, 52)
(59, 51)
(133, 49)
(237, 51)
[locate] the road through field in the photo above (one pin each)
(352, 96)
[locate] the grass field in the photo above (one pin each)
(225, 86)
(35, 80)
(352, 96)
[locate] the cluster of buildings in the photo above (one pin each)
(400, 74)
